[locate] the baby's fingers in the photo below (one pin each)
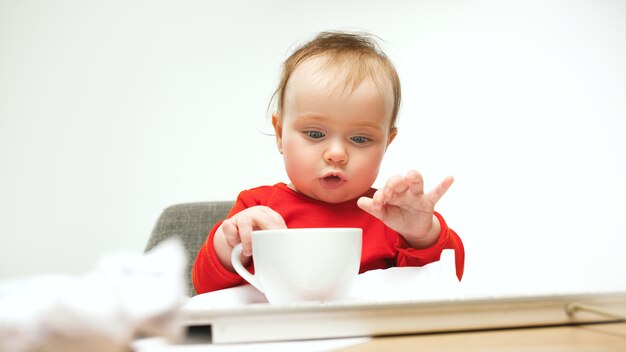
(245, 227)
(231, 232)
(368, 205)
(256, 218)
(415, 181)
(238, 230)
(394, 185)
(441, 189)
(268, 218)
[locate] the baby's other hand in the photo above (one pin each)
(403, 206)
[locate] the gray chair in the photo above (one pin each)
(191, 222)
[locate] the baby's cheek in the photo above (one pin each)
(369, 164)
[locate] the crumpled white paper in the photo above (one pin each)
(128, 295)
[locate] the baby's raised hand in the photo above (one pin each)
(238, 229)
(403, 206)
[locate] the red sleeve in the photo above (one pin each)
(448, 239)
(208, 274)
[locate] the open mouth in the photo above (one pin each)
(332, 181)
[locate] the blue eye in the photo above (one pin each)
(360, 139)
(314, 134)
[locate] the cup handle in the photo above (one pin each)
(240, 269)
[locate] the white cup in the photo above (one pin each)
(308, 264)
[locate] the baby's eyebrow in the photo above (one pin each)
(313, 116)
(368, 124)
(311, 119)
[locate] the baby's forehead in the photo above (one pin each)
(342, 74)
(323, 82)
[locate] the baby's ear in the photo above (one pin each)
(278, 129)
(392, 135)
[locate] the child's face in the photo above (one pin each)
(332, 138)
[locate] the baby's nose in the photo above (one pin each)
(336, 153)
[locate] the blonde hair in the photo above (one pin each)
(357, 54)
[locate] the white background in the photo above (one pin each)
(111, 111)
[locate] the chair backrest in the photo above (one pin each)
(191, 222)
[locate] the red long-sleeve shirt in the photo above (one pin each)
(382, 247)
